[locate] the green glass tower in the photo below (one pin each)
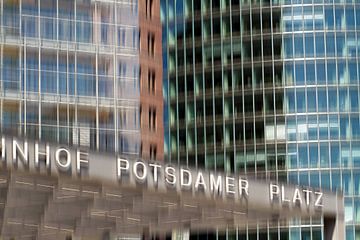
(269, 89)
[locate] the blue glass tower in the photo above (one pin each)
(321, 67)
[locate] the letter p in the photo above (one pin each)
(122, 166)
(274, 190)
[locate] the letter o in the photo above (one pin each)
(135, 170)
(62, 166)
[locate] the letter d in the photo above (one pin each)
(185, 173)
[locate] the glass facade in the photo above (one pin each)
(70, 72)
(269, 89)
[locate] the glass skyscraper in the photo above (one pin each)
(70, 72)
(269, 89)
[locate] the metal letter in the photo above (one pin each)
(171, 173)
(135, 170)
(307, 196)
(81, 157)
(66, 166)
(22, 154)
(182, 178)
(216, 186)
(229, 185)
(283, 199)
(155, 172)
(243, 187)
(297, 196)
(120, 166)
(45, 154)
(200, 181)
(274, 190)
(318, 202)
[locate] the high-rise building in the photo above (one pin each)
(82, 73)
(71, 70)
(269, 89)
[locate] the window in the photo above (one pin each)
(319, 44)
(122, 69)
(10, 118)
(121, 36)
(309, 45)
(135, 39)
(84, 27)
(10, 75)
(330, 44)
(151, 44)
(104, 30)
(152, 118)
(149, 8)
(139, 39)
(151, 81)
(298, 45)
(153, 151)
(141, 148)
(140, 115)
(47, 28)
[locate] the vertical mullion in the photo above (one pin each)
(264, 113)
(203, 86)
(57, 73)
(295, 94)
(177, 91)
(274, 95)
(97, 85)
(337, 91)
(1, 113)
(232, 92)
(25, 87)
(168, 98)
(58, 94)
(75, 122)
(253, 85)
(116, 133)
(168, 89)
(194, 83)
(97, 96)
(242, 93)
(1, 21)
(263, 87)
(20, 16)
(57, 20)
(1, 74)
(39, 70)
(305, 90)
(283, 80)
(222, 84)
(20, 86)
(357, 71)
(67, 96)
(184, 20)
(213, 87)
(322, 227)
(40, 92)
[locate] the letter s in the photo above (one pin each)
(170, 176)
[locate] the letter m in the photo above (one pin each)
(215, 184)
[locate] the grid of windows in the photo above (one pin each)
(269, 89)
(225, 86)
(70, 72)
(321, 67)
